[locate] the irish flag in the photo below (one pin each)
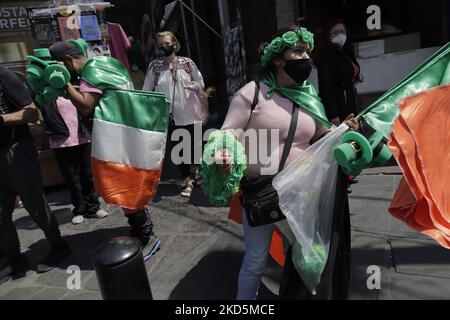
(415, 117)
(128, 144)
(420, 141)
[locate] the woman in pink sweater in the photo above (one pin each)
(269, 104)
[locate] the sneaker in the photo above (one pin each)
(77, 220)
(151, 246)
(55, 257)
(100, 214)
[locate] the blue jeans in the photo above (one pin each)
(257, 244)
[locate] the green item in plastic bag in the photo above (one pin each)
(310, 266)
(217, 185)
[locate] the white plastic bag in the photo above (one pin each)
(306, 189)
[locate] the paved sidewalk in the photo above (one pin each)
(202, 250)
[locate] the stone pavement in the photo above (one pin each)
(202, 250)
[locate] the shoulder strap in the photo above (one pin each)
(255, 102)
(255, 97)
(290, 136)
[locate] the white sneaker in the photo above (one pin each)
(77, 219)
(101, 214)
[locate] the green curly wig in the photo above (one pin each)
(217, 185)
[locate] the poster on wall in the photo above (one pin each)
(68, 29)
(90, 29)
(98, 50)
(44, 27)
(234, 60)
(42, 32)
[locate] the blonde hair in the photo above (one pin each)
(174, 40)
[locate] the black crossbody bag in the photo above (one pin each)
(260, 199)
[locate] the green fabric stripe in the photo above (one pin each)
(381, 114)
(105, 72)
(137, 109)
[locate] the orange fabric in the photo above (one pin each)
(125, 186)
(276, 246)
(420, 142)
(235, 212)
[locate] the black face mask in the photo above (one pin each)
(74, 78)
(167, 50)
(299, 69)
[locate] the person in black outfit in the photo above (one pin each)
(338, 71)
(20, 175)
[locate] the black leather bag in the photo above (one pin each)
(260, 199)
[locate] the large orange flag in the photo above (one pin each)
(420, 142)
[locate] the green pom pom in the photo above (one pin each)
(217, 185)
(310, 267)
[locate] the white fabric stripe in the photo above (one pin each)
(117, 143)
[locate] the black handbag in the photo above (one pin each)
(260, 199)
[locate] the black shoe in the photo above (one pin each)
(15, 270)
(20, 266)
(157, 198)
(6, 273)
(55, 257)
(3, 262)
(349, 190)
(150, 245)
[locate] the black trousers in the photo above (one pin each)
(75, 165)
(187, 169)
(20, 175)
(336, 277)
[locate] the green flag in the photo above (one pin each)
(433, 72)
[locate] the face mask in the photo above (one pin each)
(299, 69)
(167, 50)
(74, 77)
(340, 39)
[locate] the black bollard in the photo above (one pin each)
(120, 269)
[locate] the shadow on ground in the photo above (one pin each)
(83, 246)
(64, 216)
(215, 277)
